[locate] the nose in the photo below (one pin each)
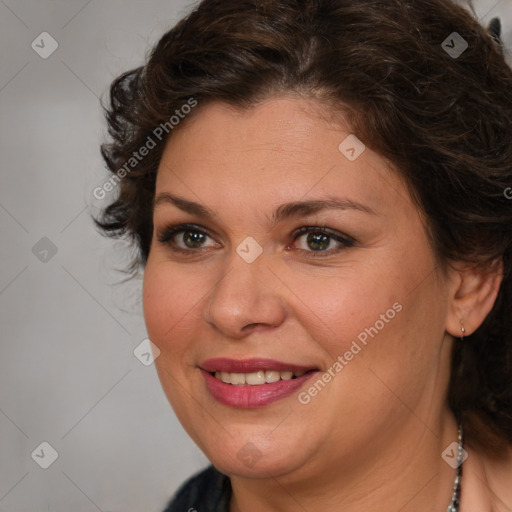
(246, 298)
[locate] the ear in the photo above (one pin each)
(472, 295)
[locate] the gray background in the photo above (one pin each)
(68, 374)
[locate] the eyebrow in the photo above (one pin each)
(284, 211)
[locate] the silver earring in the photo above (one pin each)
(462, 330)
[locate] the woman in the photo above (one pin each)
(318, 192)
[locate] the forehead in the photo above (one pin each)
(280, 150)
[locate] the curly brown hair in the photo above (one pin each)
(444, 121)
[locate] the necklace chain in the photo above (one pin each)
(454, 504)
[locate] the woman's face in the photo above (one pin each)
(361, 303)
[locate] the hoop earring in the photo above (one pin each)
(462, 330)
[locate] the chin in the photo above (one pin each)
(258, 468)
(256, 457)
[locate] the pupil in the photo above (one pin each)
(318, 241)
(193, 237)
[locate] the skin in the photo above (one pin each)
(372, 438)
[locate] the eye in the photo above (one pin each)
(318, 241)
(191, 237)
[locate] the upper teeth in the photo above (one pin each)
(256, 378)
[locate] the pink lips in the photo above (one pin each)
(246, 396)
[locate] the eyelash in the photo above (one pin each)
(170, 232)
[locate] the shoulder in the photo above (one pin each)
(499, 479)
(486, 482)
(206, 491)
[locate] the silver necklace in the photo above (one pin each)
(454, 504)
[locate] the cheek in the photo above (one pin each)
(169, 301)
(171, 308)
(155, 297)
(387, 316)
(336, 306)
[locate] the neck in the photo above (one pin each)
(405, 472)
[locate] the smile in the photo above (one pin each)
(252, 383)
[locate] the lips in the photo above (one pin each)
(244, 395)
